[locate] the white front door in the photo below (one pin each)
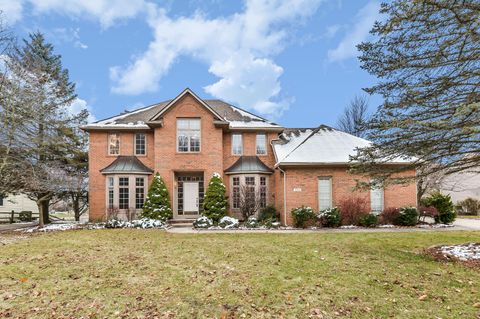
(190, 197)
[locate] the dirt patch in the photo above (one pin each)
(467, 254)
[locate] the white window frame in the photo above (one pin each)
(328, 203)
(135, 144)
(189, 135)
(109, 150)
(264, 144)
(233, 144)
(257, 186)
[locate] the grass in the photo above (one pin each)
(130, 273)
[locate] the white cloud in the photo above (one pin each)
(107, 12)
(355, 34)
(11, 10)
(79, 105)
(71, 35)
(238, 50)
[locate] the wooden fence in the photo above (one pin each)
(13, 216)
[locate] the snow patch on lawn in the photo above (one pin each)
(470, 251)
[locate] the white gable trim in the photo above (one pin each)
(175, 100)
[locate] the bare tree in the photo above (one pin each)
(250, 201)
(354, 117)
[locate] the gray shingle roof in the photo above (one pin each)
(248, 164)
(126, 164)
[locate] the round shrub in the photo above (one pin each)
(302, 215)
(427, 211)
(389, 216)
(370, 220)
(228, 222)
(252, 222)
(353, 210)
(330, 217)
(268, 212)
(408, 216)
(444, 206)
(202, 222)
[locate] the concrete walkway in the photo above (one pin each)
(468, 223)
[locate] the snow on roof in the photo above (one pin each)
(322, 145)
(252, 124)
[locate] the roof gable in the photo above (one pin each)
(185, 92)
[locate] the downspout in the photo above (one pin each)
(284, 195)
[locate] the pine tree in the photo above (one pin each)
(157, 204)
(215, 203)
(426, 57)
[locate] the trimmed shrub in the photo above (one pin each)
(389, 216)
(228, 222)
(470, 206)
(302, 215)
(157, 204)
(369, 220)
(408, 216)
(268, 213)
(330, 217)
(138, 223)
(270, 223)
(252, 222)
(427, 211)
(352, 210)
(202, 222)
(25, 216)
(444, 206)
(215, 203)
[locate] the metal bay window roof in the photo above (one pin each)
(248, 165)
(126, 165)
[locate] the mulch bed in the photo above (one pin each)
(466, 254)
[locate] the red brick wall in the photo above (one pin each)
(343, 185)
(168, 160)
(98, 158)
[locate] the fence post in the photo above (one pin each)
(12, 216)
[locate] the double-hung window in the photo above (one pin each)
(324, 192)
(123, 193)
(263, 191)
(261, 144)
(188, 135)
(236, 192)
(111, 193)
(140, 144)
(376, 198)
(139, 192)
(237, 144)
(114, 144)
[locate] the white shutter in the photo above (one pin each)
(324, 192)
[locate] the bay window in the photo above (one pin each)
(249, 190)
(188, 135)
(126, 192)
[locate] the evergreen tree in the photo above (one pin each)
(43, 139)
(426, 57)
(157, 204)
(215, 203)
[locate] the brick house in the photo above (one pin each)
(187, 139)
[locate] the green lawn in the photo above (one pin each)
(130, 273)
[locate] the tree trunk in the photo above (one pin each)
(76, 207)
(46, 215)
(40, 214)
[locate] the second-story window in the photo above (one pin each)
(188, 135)
(113, 144)
(237, 144)
(140, 144)
(261, 142)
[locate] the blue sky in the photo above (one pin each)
(292, 61)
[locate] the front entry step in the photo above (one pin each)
(181, 222)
